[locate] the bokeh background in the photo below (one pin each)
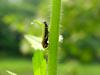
(79, 53)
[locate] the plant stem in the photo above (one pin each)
(53, 37)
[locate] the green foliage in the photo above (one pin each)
(16, 16)
(9, 40)
(39, 63)
(81, 28)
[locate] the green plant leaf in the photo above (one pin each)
(39, 63)
(34, 41)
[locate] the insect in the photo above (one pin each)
(45, 37)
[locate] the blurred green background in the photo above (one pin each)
(79, 53)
